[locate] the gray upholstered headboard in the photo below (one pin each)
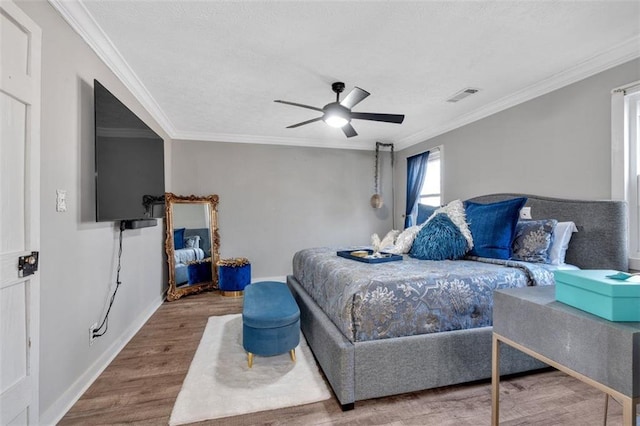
(601, 240)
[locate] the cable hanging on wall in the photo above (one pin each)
(376, 199)
(98, 330)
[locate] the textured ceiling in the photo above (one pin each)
(211, 69)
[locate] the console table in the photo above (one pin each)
(601, 353)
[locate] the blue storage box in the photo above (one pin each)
(591, 291)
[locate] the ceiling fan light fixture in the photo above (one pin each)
(338, 114)
(335, 121)
(335, 115)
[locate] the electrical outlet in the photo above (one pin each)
(525, 213)
(92, 330)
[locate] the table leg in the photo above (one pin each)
(495, 381)
(629, 411)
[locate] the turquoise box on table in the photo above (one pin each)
(592, 291)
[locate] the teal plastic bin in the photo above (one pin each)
(591, 291)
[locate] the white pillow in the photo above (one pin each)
(455, 211)
(192, 242)
(560, 242)
(405, 240)
(388, 241)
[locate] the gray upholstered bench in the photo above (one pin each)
(270, 320)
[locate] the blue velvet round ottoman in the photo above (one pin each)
(270, 320)
(233, 276)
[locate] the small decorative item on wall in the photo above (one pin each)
(376, 199)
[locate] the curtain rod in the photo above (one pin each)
(631, 87)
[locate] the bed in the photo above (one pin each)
(192, 248)
(365, 359)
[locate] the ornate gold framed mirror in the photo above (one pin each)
(192, 244)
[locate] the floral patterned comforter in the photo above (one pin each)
(408, 297)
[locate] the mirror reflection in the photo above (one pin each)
(192, 244)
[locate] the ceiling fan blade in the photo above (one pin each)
(299, 105)
(349, 131)
(354, 97)
(293, 126)
(387, 118)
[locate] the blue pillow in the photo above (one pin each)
(424, 213)
(439, 239)
(178, 238)
(493, 227)
(532, 240)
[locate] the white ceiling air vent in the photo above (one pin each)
(463, 94)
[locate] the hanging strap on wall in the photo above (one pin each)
(376, 179)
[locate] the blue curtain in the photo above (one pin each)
(416, 169)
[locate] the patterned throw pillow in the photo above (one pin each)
(532, 241)
(439, 239)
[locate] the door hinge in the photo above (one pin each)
(28, 264)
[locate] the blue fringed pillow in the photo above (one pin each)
(493, 226)
(439, 239)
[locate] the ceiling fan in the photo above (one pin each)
(338, 114)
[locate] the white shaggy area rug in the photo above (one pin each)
(220, 383)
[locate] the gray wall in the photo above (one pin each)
(558, 144)
(78, 255)
(192, 216)
(275, 200)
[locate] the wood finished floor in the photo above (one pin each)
(141, 385)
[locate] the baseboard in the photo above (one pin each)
(63, 404)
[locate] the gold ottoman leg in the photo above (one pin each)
(250, 359)
(292, 352)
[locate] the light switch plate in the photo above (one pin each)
(61, 200)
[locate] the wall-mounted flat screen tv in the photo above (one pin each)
(129, 161)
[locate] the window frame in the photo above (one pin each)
(625, 160)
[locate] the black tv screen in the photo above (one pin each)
(129, 162)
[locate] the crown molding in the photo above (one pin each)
(74, 12)
(79, 18)
(275, 140)
(617, 55)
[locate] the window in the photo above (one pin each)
(632, 102)
(625, 160)
(431, 189)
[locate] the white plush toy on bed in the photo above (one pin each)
(388, 241)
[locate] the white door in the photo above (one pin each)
(20, 42)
